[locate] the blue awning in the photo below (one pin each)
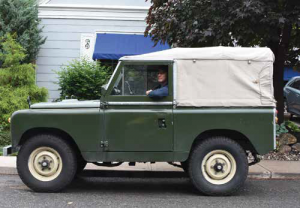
(115, 46)
(289, 73)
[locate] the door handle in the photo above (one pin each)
(162, 123)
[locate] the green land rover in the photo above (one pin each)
(219, 109)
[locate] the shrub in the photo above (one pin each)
(17, 80)
(82, 79)
(292, 127)
(4, 137)
(280, 129)
(21, 17)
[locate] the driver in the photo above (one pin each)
(161, 90)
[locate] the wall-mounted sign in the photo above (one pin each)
(87, 46)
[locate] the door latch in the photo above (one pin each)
(104, 144)
(162, 123)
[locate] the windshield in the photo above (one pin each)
(112, 76)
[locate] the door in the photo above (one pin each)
(134, 121)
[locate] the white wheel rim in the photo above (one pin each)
(45, 164)
(218, 167)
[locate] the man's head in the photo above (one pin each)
(162, 76)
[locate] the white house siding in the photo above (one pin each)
(63, 26)
(102, 2)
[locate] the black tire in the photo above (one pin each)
(36, 148)
(207, 151)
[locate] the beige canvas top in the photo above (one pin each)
(219, 76)
(209, 53)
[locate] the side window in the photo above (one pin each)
(296, 84)
(137, 79)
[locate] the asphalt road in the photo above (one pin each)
(136, 191)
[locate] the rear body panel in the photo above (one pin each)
(256, 124)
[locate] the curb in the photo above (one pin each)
(8, 171)
(286, 176)
(260, 176)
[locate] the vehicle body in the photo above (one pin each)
(224, 122)
(292, 96)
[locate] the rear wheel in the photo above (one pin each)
(46, 163)
(218, 166)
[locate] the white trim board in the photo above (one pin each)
(62, 11)
(80, 6)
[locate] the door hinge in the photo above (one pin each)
(103, 105)
(104, 144)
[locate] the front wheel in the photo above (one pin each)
(218, 166)
(46, 163)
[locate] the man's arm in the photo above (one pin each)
(159, 93)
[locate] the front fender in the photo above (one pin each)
(83, 125)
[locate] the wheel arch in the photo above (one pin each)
(52, 131)
(237, 136)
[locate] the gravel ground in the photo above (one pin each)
(291, 156)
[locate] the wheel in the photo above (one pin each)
(46, 163)
(218, 166)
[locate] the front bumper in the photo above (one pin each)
(7, 150)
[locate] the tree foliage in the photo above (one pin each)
(17, 80)
(199, 23)
(82, 79)
(20, 17)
